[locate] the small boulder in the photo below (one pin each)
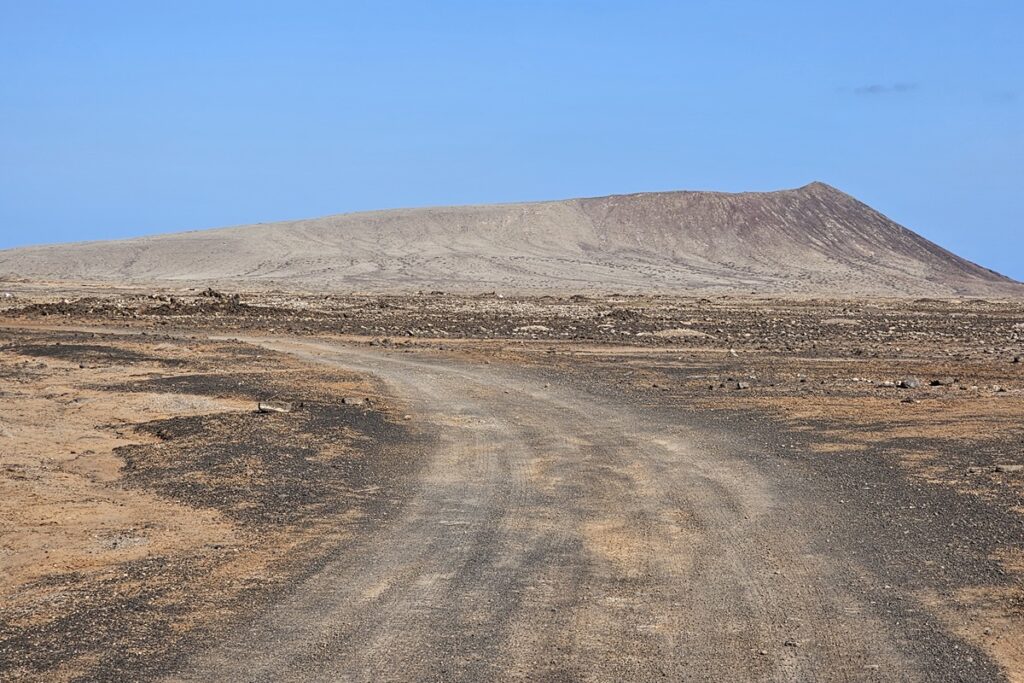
(353, 401)
(274, 407)
(1009, 468)
(909, 383)
(943, 382)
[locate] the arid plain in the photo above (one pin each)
(478, 487)
(676, 436)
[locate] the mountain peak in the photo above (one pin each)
(819, 187)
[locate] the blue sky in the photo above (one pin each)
(130, 118)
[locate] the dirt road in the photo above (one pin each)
(561, 535)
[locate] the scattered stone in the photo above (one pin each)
(680, 333)
(1009, 468)
(274, 407)
(741, 385)
(886, 385)
(1017, 359)
(532, 328)
(791, 643)
(943, 382)
(352, 401)
(909, 383)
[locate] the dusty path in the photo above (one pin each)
(558, 535)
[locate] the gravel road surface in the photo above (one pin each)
(558, 534)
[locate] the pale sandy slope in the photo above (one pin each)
(811, 240)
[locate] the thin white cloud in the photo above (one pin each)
(885, 88)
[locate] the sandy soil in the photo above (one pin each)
(135, 510)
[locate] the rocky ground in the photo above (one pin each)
(869, 328)
(147, 504)
(144, 493)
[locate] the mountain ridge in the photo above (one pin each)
(814, 239)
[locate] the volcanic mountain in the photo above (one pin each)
(811, 240)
